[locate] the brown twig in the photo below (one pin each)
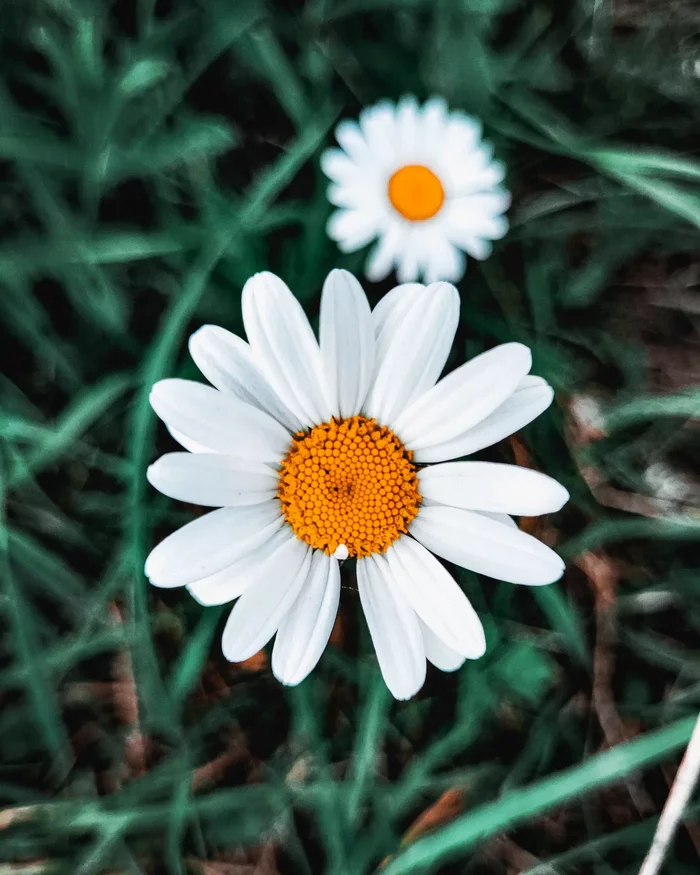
(266, 863)
(603, 575)
(515, 858)
(257, 662)
(126, 704)
(212, 772)
(446, 808)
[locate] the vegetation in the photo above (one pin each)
(156, 154)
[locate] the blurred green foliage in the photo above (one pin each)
(155, 154)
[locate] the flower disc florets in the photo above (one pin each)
(349, 482)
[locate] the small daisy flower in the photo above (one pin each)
(319, 451)
(421, 181)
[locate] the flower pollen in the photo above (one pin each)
(416, 192)
(348, 483)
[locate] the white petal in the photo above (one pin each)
(231, 582)
(433, 125)
(532, 397)
(415, 252)
(337, 165)
(378, 126)
(407, 129)
(222, 587)
(219, 420)
(470, 174)
(212, 479)
(344, 196)
(211, 542)
(438, 653)
(353, 228)
(409, 260)
(477, 215)
(384, 255)
(256, 616)
(394, 628)
(530, 381)
(305, 630)
(392, 309)
(348, 134)
(187, 443)
(476, 247)
(492, 486)
(486, 546)
(363, 196)
(228, 363)
(347, 343)
(285, 347)
(464, 397)
(416, 353)
(463, 132)
(502, 518)
(444, 261)
(435, 596)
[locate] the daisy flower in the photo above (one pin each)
(316, 451)
(421, 181)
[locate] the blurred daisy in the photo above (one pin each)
(421, 181)
(316, 452)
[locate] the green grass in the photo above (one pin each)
(156, 155)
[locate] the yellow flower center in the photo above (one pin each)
(416, 192)
(348, 483)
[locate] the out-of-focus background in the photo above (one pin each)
(156, 154)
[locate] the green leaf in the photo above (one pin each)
(194, 140)
(522, 805)
(645, 408)
(684, 204)
(142, 75)
(368, 742)
(609, 531)
(525, 670)
(639, 161)
(564, 618)
(71, 424)
(191, 661)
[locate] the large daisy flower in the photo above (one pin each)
(316, 451)
(422, 182)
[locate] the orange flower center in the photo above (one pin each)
(416, 192)
(348, 482)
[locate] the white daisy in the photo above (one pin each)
(422, 182)
(315, 452)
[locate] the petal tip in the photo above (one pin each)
(562, 498)
(404, 694)
(150, 570)
(479, 649)
(339, 275)
(287, 679)
(347, 126)
(263, 280)
(521, 351)
(558, 569)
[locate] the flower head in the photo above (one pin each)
(420, 180)
(317, 451)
